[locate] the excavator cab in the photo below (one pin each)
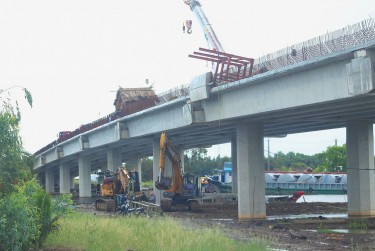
(190, 187)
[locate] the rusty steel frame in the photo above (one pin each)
(229, 67)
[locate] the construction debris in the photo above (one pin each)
(131, 100)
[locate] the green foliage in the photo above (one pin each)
(331, 160)
(324, 230)
(321, 169)
(28, 97)
(14, 162)
(19, 227)
(199, 164)
(360, 224)
(87, 232)
(286, 169)
(148, 184)
(29, 215)
(146, 167)
(335, 158)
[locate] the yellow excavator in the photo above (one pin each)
(179, 189)
(111, 184)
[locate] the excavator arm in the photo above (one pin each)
(170, 184)
(123, 177)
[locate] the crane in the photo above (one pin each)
(225, 67)
(209, 33)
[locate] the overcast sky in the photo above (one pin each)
(73, 55)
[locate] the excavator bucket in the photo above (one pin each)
(163, 185)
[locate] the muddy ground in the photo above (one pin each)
(304, 233)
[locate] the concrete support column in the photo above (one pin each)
(250, 161)
(182, 157)
(114, 159)
(135, 163)
(156, 170)
(84, 171)
(360, 152)
(50, 181)
(64, 178)
(72, 186)
(234, 165)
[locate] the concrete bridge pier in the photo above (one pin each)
(84, 171)
(65, 178)
(135, 163)
(234, 165)
(114, 159)
(250, 165)
(50, 181)
(182, 157)
(360, 152)
(155, 169)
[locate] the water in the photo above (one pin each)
(348, 231)
(305, 216)
(330, 198)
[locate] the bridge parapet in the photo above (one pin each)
(341, 39)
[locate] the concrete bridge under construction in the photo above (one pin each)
(324, 83)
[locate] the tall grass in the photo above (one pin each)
(89, 232)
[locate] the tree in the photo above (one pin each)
(147, 169)
(335, 159)
(28, 214)
(14, 162)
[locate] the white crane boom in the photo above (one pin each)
(209, 33)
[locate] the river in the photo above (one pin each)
(332, 198)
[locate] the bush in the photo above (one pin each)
(29, 215)
(19, 227)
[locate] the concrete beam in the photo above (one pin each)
(250, 161)
(360, 151)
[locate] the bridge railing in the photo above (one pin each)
(177, 92)
(342, 39)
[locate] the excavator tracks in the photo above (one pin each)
(107, 205)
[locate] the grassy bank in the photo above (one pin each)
(88, 232)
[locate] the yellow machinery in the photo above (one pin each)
(179, 189)
(115, 183)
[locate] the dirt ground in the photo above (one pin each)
(302, 233)
(305, 233)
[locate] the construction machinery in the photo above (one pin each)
(209, 33)
(112, 184)
(179, 189)
(225, 67)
